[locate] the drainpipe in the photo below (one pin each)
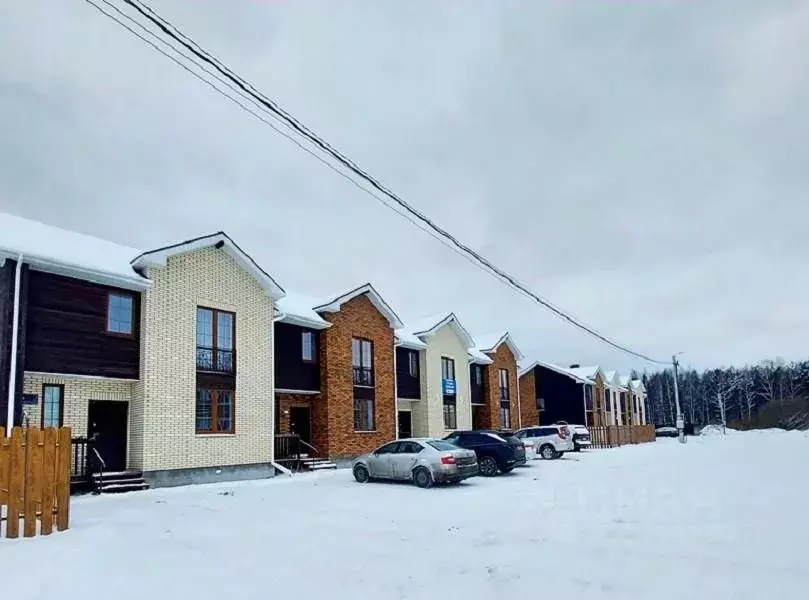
(277, 466)
(15, 325)
(396, 394)
(519, 401)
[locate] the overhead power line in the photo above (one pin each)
(266, 106)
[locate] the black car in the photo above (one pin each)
(494, 452)
(514, 441)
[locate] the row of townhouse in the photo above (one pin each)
(186, 362)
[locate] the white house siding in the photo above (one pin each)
(428, 414)
(162, 415)
(78, 391)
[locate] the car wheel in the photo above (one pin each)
(577, 449)
(422, 478)
(487, 466)
(559, 455)
(361, 474)
(547, 452)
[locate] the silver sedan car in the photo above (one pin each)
(424, 461)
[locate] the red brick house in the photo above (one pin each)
(335, 372)
(494, 384)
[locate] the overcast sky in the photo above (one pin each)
(643, 165)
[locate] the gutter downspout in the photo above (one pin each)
(15, 325)
(275, 465)
(519, 401)
(396, 394)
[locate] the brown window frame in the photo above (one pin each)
(61, 404)
(363, 367)
(122, 334)
(505, 392)
(215, 340)
(215, 412)
(364, 402)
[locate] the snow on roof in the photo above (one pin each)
(301, 309)
(623, 380)
(427, 326)
(637, 384)
(490, 342)
(407, 339)
(297, 309)
(555, 368)
(220, 239)
(611, 378)
(478, 357)
(334, 304)
(63, 252)
(588, 372)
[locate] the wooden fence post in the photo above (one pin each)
(63, 479)
(16, 481)
(49, 488)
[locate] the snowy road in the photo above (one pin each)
(724, 516)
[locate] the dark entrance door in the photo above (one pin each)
(300, 422)
(107, 420)
(405, 425)
(477, 417)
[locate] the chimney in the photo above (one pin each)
(574, 366)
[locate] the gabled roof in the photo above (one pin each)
(428, 326)
(303, 310)
(376, 299)
(489, 344)
(623, 380)
(588, 372)
(220, 239)
(63, 252)
(555, 368)
(637, 385)
(612, 379)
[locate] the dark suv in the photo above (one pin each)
(495, 453)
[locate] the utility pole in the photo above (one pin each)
(680, 423)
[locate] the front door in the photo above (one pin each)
(300, 423)
(405, 425)
(107, 421)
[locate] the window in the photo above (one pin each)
(505, 416)
(540, 403)
(387, 448)
(443, 445)
(214, 411)
(362, 361)
(409, 448)
(119, 313)
(308, 346)
(215, 330)
(450, 413)
(413, 364)
(504, 384)
(447, 368)
(607, 402)
(52, 405)
(477, 375)
(588, 397)
(363, 414)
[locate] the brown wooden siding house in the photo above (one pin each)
(146, 353)
(335, 381)
(495, 391)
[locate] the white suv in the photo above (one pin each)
(551, 441)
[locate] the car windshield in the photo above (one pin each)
(442, 446)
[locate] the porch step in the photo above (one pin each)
(318, 464)
(120, 481)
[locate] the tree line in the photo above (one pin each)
(769, 394)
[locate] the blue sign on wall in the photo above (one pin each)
(448, 385)
(30, 399)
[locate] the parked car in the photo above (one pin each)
(514, 440)
(667, 431)
(424, 461)
(494, 452)
(551, 441)
(581, 436)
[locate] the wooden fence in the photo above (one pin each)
(612, 436)
(34, 481)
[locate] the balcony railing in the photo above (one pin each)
(213, 359)
(364, 376)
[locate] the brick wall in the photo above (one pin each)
(333, 420)
(77, 395)
(528, 395)
(490, 417)
(162, 414)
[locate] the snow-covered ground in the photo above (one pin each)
(720, 518)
